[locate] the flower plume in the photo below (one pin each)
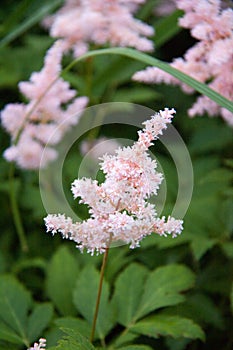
(119, 208)
(31, 125)
(209, 61)
(79, 23)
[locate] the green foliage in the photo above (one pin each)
(85, 294)
(37, 16)
(167, 283)
(61, 277)
(167, 27)
(166, 325)
(128, 291)
(73, 341)
(16, 326)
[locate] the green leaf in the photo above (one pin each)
(166, 325)
(125, 338)
(9, 335)
(142, 57)
(73, 341)
(128, 291)
(76, 324)
(214, 138)
(167, 27)
(15, 302)
(85, 295)
(61, 277)
(39, 320)
(31, 21)
(163, 287)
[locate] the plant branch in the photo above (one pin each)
(104, 262)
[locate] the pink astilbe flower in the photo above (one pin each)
(41, 345)
(209, 61)
(31, 125)
(119, 208)
(79, 23)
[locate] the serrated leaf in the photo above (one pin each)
(125, 338)
(166, 325)
(201, 309)
(61, 277)
(128, 290)
(76, 324)
(163, 287)
(85, 295)
(15, 302)
(73, 341)
(39, 320)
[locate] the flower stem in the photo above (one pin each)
(105, 258)
(15, 212)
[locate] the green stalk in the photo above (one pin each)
(15, 211)
(104, 262)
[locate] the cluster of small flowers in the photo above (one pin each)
(52, 106)
(41, 345)
(119, 208)
(79, 23)
(210, 60)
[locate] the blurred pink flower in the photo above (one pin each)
(209, 61)
(118, 208)
(80, 23)
(32, 125)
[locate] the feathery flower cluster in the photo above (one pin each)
(41, 345)
(31, 125)
(119, 208)
(79, 23)
(210, 60)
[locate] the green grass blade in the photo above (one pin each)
(144, 58)
(29, 22)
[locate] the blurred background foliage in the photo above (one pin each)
(36, 279)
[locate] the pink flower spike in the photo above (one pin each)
(51, 103)
(119, 208)
(209, 61)
(80, 23)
